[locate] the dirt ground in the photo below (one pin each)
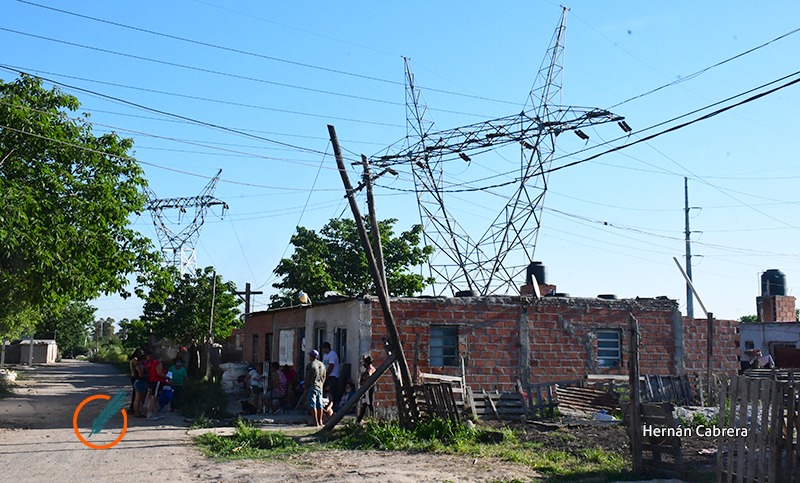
(38, 443)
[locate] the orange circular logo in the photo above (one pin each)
(82, 439)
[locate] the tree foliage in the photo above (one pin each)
(333, 259)
(66, 198)
(181, 312)
(134, 334)
(71, 326)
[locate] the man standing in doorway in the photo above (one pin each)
(330, 360)
(313, 383)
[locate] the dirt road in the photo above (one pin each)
(38, 443)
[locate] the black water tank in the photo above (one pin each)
(536, 269)
(467, 293)
(773, 282)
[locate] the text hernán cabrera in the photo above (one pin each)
(707, 431)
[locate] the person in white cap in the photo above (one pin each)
(314, 380)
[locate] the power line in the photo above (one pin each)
(706, 69)
(166, 113)
(257, 55)
(167, 168)
(168, 138)
(274, 133)
(199, 69)
(223, 74)
(194, 98)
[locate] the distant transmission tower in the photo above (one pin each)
(178, 247)
(493, 262)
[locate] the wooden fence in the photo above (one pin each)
(758, 428)
(660, 442)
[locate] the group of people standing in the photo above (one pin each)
(273, 391)
(153, 386)
(321, 386)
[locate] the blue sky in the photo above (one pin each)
(611, 225)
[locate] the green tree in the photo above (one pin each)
(183, 315)
(134, 334)
(181, 311)
(748, 318)
(67, 196)
(333, 259)
(71, 327)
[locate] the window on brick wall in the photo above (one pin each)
(609, 348)
(444, 346)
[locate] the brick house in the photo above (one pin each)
(776, 333)
(499, 339)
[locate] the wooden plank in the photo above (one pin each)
(731, 416)
(491, 403)
(540, 401)
(766, 397)
(795, 431)
(649, 387)
(741, 457)
(753, 404)
(776, 434)
(723, 397)
(440, 377)
(789, 433)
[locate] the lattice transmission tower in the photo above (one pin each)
(492, 262)
(178, 247)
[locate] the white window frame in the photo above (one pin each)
(609, 348)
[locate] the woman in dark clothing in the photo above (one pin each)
(138, 356)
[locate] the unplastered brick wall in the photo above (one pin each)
(776, 308)
(269, 322)
(506, 339)
(725, 358)
(487, 331)
(563, 335)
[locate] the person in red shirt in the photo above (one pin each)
(156, 378)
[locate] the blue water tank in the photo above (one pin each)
(773, 282)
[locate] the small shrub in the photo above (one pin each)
(5, 387)
(247, 442)
(111, 354)
(204, 399)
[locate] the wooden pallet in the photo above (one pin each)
(585, 401)
(497, 405)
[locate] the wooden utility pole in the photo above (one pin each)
(247, 294)
(373, 220)
(408, 412)
(210, 338)
(633, 379)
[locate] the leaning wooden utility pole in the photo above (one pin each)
(373, 220)
(210, 338)
(408, 411)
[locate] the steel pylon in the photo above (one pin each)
(179, 247)
(493, 262)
